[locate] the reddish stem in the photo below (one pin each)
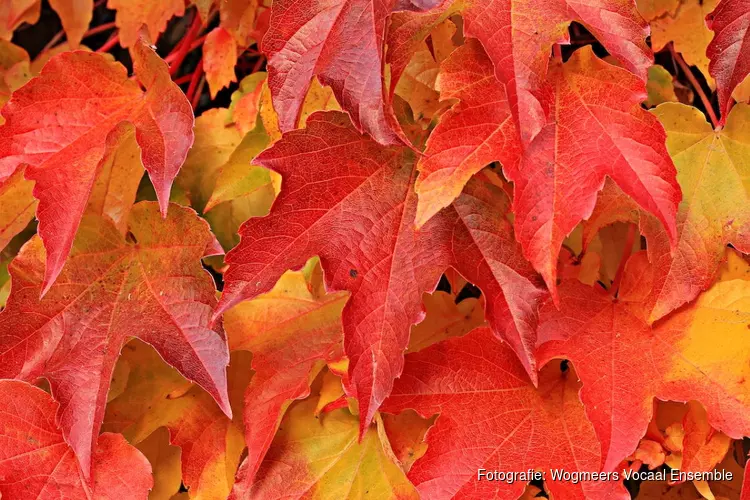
(113, 40)
(557, 52)
(183, 79)
(696, 86)
(93, 31)
(197, 43)
(186, 42)
(258, 64)
(194, 78)
(98, 29)
(629, 240)
(197, 97)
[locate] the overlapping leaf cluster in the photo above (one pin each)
(459, 235)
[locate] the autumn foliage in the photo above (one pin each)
(379, 246)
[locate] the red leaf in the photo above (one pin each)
(477, 131)
(729, 50)
(491, 417)
(340, 42)
(291, 331)
(67, 121)
(350, 201)
(597, 129)
(518, 36)
(109, 290)
(35, 461)
(624, 363)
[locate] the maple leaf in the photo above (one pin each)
(624, 363)
(321, 457)
(507, 421)
(340, 42)
(730, 62)
(75, 16)
(558, 176)
(111, 289)
(219, 58)
(157, 396)
(36, 462)
(711, 171)
(475, 132)
(132, 14)
(66, 122)
(292, 331)
(368, 245)
(563, 168)
(518, 36)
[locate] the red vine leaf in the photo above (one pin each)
(340, 42)
(66, 123)
(368, 245)
(148, 285)
(36, 462)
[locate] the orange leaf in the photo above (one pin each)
(219, 58)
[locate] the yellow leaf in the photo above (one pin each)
(165, 464)
(321, 458)
(318, 98)
(651, 9)
(215, 141)
(687, 29)
(713, 169)
(330, 390)
(116, 184)
(659, 86)
(405, 434)
(445, 319)
(18, 206)
(156, 395)
(735, 267)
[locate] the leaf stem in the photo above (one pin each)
(629, 241)
(98, 29)
(113, 40)
(197, 43)
(195, 77)
(696, 85)
(557, 52)
(93, 31)
(184, 48)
